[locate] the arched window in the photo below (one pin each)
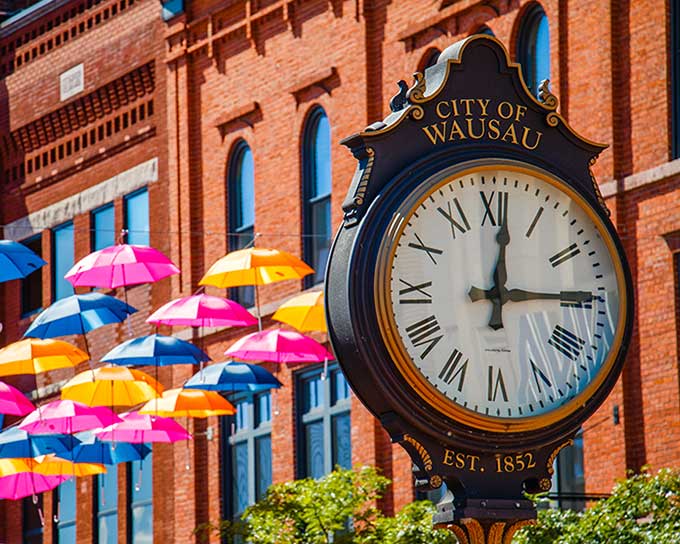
(430, 58)
(534, 48)
(316, 194)
(484, 30)
(241, 200)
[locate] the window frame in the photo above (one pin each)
(310, 200)
(131, 503)
(93, 221)
(527, 46)
(53, 265)
(325, 413)
(24, 281)
(126, 215)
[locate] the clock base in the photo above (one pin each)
(472, 531)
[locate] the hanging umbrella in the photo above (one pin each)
(24, 484)
(156, 350)
(17, 261)
(92, 450)
(67, 416)
(15, 442)
(202, 311)
(111, 386)
(13, 402)
(78, 314)
(279, 346)
(189, 403)
(32, 356)
(305, 312)
(255, 266)
(121, 265)
(139, 428)
(233, 376)
(49, 465)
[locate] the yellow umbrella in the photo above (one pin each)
(34, 355)
(111, 386)
(189, 403)
(305, 312)
(255, 266)
(49, 465)
(15, 466)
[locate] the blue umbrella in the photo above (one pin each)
(156, 350)
(17, 261)
(92, 450)
(233, 376)
(15, 442)
(78, 314)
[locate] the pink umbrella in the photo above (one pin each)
(202, 311)
(138, 428)
(121, 265)
(23, 484)
(279, 346)
(67, 417)
(13, 401)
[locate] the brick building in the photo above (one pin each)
(198, 126)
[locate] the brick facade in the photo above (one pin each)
(222, 72)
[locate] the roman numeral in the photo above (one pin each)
(534, 221)
(451, 370)
(566, 342)
(501, 208)
(431, 251)
(454, 224)
(496, 385)
(539, 374)
(420, 288)
(564, 255)
(423, 332)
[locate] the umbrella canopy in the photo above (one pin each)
(49, 465)
(17, 261)
(279, 346)
(78, 314)
(189, 403)
(121, 265)
(23, 484)
(138, 428)
(233, 376)
(305, 312)
(32, 356)
(255, 266)
(111, 386)
(156, 350)
(92, 450)
(13, 402)
(202, 311)
(67, 416)
(15, 442)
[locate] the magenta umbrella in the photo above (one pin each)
(13, 402)
(202, 311)
(23, 484)
(121, 265)
(138, 428)
(67, 417)
(279, 346)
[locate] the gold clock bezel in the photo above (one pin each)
(392, 340)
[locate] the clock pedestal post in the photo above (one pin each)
(474, 531)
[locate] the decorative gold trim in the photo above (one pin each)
(596, 186)
(424, 455)
(416, 93)
(471, 531)
(436, 481)
(551, 460)
(545, 484)
(548, 99)
(358, 199)
(395, 346)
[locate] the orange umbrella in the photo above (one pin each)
(111, 386)
(305, 312)
(34, 355)
(48, 465)
(189, 403)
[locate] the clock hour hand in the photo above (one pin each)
(520, 295)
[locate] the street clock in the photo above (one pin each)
(478, 297)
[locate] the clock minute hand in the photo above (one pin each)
(500, 277)
(520, 295)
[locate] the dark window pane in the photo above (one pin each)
(240, 477)
(313, 393)
(65, 509)
(142, 524)
(103, 225)
(62, 260)
(314, 454)
(32, 527)
(31, 285)
(137, 218)
(263, 408)
(141, 500)
(241, 417)
(321, 242)
(339, 385)
(107, 529)
(321, 186)
(263, 465)
(571, 476)
(534, 48)
(342, 441)
(106, 506)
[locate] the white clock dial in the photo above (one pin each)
(503, 292)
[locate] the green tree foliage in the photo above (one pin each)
(339, 508)
(643, 509)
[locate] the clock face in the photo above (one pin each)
(503, 303)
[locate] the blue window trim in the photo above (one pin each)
(331, 408)
(27, 313)
(675, 77)
(53, 271)
(93, 232)
(248, 435)
(131, 503)
(527, 45)
(309, 199)
(126, 218)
